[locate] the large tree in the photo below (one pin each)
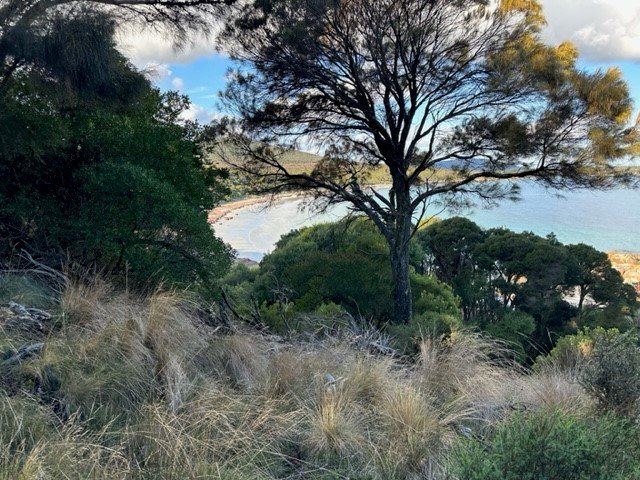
(591, 276)
(414, 86)
(95, 168)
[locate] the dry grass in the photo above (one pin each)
(138, 388)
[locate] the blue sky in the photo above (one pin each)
(606, 32)
(204, 77)
(200, 79)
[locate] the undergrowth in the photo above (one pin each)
(130, 387)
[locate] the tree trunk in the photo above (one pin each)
(583, 295)
(401, 286)
(399, 249)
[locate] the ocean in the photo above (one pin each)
(608, 220)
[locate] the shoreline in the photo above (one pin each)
(226, 211)
(626, 262)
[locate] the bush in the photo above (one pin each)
(607, 363)
(612, 373)
(551, 445)
(436, 313)
(346, 264)
(515, 329)
(113, 183)
(571, 350)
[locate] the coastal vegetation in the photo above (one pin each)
(95, 170)
(134, 345)
(125, 386)
(403, 86)
(521, 288)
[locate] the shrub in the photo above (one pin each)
(114, 185)
(551, 445)
(344, 263)
(612, 373)
(607, 364)
(318, 274)
(515, 329)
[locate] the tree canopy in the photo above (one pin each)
(500, 275)
(417, 86)
(96, 168)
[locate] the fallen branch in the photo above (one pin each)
(254, 321)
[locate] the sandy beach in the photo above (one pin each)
(229, 210)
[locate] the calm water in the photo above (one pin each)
(606, 220)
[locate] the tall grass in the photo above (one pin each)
(130, 387)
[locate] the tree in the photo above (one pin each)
(593, 276)
(413, 86)
(344, 263)
(95, 170)
(26, 31)
(449, 246)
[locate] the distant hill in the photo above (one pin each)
(303, 162)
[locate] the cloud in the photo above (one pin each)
(178, 83)
(603, 30)
(200, 114)
(149, 45)
(156, 72)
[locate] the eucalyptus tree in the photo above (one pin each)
(415, 87)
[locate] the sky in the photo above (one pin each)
(606, 32)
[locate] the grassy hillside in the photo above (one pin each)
(157, 387)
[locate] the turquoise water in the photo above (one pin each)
(607, 220)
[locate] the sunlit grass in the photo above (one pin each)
(131, 387)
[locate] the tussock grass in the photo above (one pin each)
(130, 387)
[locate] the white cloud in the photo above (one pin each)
(603, 30)
(144, 46)
(200, 114)
(178, 83)
(156, 71)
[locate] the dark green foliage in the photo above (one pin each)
(515, 285)
(449, 247)
(592, 276)
(95, 169)
(551, 445)
(515, 328)
(346, 264)
(70, 55)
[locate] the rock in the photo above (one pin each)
(18, 309)
(247, 262)
(39, 314)
(18, 317)
(24, 353)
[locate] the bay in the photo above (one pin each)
(609, 221)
